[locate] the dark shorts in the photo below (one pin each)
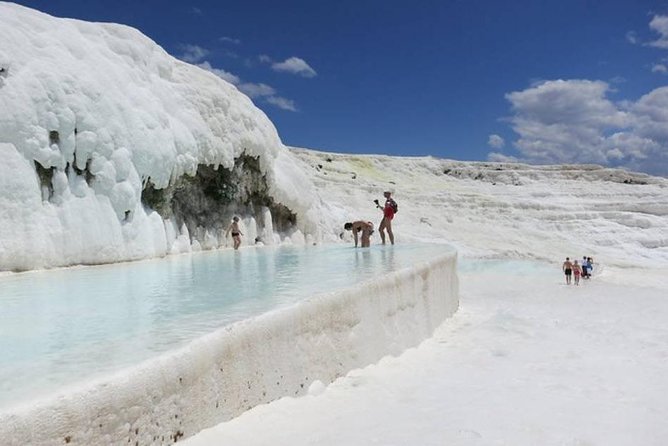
(568, 272)
(235, 234)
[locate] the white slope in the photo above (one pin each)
(502, 210)
(109, 101)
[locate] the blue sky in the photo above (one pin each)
(537, 81)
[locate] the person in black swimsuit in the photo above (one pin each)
(236, 232)
(568, 270)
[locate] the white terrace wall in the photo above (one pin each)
(219, 376)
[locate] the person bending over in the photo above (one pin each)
(364, 228)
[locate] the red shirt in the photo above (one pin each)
(388, 210)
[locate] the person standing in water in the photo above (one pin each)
(577, 272)
(236, 232)
(389, 209)
(363, 227)
(567, 267)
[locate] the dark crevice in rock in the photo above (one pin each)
(45, 176)
(88, 176)
(54, 137)
(214, 194)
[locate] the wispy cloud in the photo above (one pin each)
(225, 75)
(632, 37)
(285, 104)
(496, 142)
(659, 68)
(573, 121)
(231, 40)
(294, 65)
(257, 90)
(193, 53)
(501, 158)
(197, 55)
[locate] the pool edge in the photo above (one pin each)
(225, 373)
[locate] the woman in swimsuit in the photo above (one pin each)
(577, 272)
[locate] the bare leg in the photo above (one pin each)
(381, 229)
(389, 231)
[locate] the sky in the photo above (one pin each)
(567, 81)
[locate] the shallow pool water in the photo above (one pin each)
(62, 326)
(506, 266)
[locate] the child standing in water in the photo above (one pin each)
(236, 232)
(577, 272)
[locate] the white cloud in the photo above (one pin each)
(496, 142)
(659, 68)
(257, 90)
(574, 122)
(264, 58)
(229, 77)
(285, 104)
(294, 65)
(196, 11)
(632, 37)
(193, 53)
(651, 116)
(660, 24)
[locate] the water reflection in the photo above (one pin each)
(387, 256)
(362, 259)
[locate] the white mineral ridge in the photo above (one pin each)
(122, 104)
(501, 210)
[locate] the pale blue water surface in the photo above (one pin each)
(63, 326)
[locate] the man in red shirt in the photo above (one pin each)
(388, 214)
